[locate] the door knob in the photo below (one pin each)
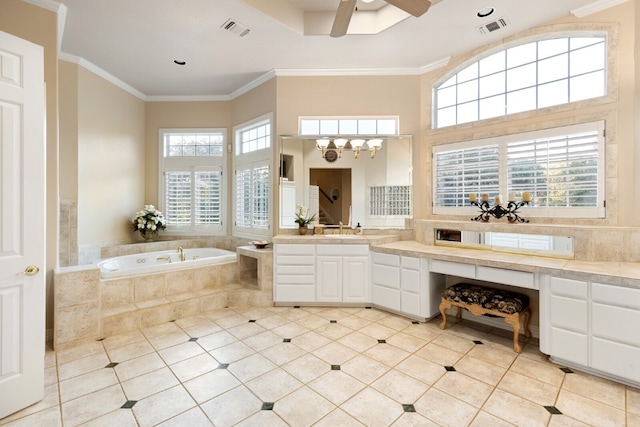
(32, 270)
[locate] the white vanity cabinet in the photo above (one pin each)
(563, 319)
(403, 284)
(342, 273)
(615, 326)
(593, 325)
(294, 273)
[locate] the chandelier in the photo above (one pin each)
(343, 144)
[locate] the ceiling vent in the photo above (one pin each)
(236, 28)
(493, 26)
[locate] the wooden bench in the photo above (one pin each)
(481, 300)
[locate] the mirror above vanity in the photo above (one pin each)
(530, 244)
(356, 181)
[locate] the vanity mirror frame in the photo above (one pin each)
(513, 242)
(295, 163)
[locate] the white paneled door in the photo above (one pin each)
(22, 224)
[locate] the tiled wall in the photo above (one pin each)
(68, 241)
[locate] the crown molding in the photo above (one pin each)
(56, 7)
(188, 98)
(594, 7)
(102, 73)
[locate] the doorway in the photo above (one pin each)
(334, 187)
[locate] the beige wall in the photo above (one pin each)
(618, 109)
(68, 82)
(39, 26)
(111, 159)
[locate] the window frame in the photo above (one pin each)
(253, 160)
(596, 212)
(515, 44)
(192, 164)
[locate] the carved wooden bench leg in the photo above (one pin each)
(527, 317)
(444, 306)
(514, 321)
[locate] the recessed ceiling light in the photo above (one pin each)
(484, 12)
(177, 61)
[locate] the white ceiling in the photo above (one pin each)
(137, 41)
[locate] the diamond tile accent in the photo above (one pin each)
(553, 410)
(408, 408)
(415, 322)
(286, 340)
(223, 366)
(296, 306)
(252, 321)
(333, 321)
(129, 404)
(267, 406)
(450, 368)
(478, 342)
(335, 367)
(111, 365)
(382, 341)
(193, 339)
(566, 370)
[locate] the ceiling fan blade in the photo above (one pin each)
(413, 7)
(343, 17)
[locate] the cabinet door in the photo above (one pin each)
(355, 279)
(329, 286)
(410, 295)
(564, 321)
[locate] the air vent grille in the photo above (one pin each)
(493, 26)
(236, 28)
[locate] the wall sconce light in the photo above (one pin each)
(357, 146)
(340, 143)
(374, 145)
(323, 144)
(498, 211)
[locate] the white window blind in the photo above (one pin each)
(191, 190)
(562, 168)
(462, 171)
(252, 197)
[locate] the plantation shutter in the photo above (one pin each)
(178, 197)
(261, 197)
(463, 171)
(243, 198)
(208, 197)
(561, 171)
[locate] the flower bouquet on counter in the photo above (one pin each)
(302, 218)
(148, 222)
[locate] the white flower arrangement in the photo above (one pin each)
(301, 216)
(149, 220)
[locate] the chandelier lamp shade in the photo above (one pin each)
(356, 145)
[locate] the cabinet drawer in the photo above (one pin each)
(295, 249)
(385, 275)
(295, 260)
(295, 293)
(569, 346)
(615, 323)
(568, 287)
(410, 262)
(342, 249)
(521, 279)
(296, 278)
(615, 358)
(386, 297)
(410, 280)
(567, 313)
(616, 295)
(453, 268)
(300, 270)
(386, 259)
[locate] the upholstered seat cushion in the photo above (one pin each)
(491, 299)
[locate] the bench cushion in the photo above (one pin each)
(506, 302)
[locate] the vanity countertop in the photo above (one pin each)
(621, 273)
(336, 239)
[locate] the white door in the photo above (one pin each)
(22, 224)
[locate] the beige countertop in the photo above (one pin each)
(336, 239)
(621, 273)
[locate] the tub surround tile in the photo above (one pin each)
(77, 322)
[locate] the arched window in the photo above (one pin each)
(525, 77)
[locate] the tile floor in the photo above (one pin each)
(318, 366)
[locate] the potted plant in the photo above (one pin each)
(149, 221)
(302, 219)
